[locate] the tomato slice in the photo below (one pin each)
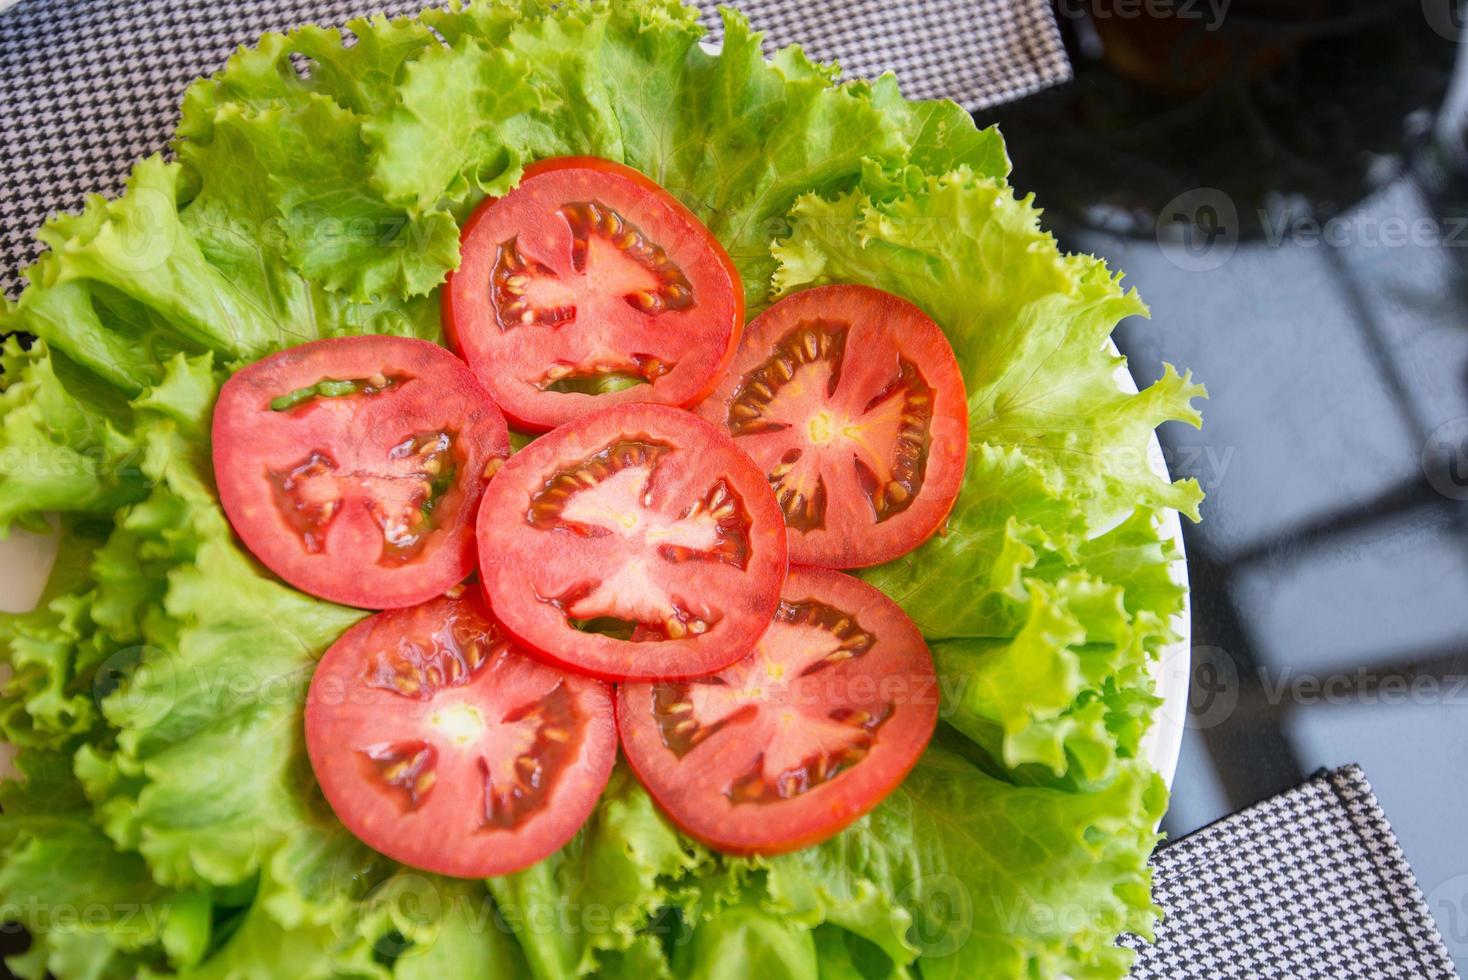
(440, 745)
(852, 402)
(589, 285)
(353, 467)
(636, 542)
(812, 730)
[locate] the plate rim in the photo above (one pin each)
(1171, 670)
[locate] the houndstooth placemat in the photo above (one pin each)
(1309, 884)
(976, 52)
(88, 86)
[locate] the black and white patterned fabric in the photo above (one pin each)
(89, 86)
(1310, 884)
(976, 52)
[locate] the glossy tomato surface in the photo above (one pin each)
(589, 285)
(812, 730)
(851, 401)
(440, 745)
(633, 543)
(353, 467)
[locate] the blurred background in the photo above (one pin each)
(1285, 181)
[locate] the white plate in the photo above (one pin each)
(26, 559)
(25, 564)
(1171, 671)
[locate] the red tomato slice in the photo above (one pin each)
(812, 730)
(440, 745)
(589, 285)
(633, 543)
(852, 402)
(353, 467)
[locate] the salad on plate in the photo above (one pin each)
(541, 498)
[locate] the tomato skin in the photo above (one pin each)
(697, 789)
(469, 319)
(524, 568)
(838, 415)
(346, 558)
(349, 712)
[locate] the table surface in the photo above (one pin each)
(1290, 198)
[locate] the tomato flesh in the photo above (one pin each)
(792, 744)
(440, 745)
(353, 467)
(636, 542)
(588, 285)
(851, 401)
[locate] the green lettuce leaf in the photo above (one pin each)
(748, 941)
(261, 948)
(1039, 698)
(1007, 519)
(455, 933)
(445, 139)
(982, 878)
(62, 447)
(93, 911)
(600, 891)
(311, 164)
(135, 253)
(225, 658)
